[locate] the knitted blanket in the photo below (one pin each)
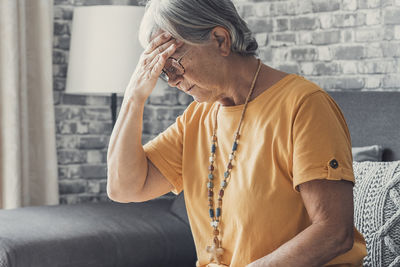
(377, 210)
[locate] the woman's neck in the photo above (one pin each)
(238, 82)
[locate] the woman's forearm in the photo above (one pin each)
(315, 246)
(126, 160)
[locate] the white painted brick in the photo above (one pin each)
(376, 66)
(280, 8)
(392, 15)
(57, 12)
(388, 32)
(93, 186)
(265, 53)
(373, 81)
(245, 10)
(349, 67)
(397, 32)
(281, 39)
(262, 9)
(261, 38)
(349, 5)
(373, 17)
(347, 36)
(94, 156)
(325, 20)
(369, 3)
(303, 7)
(326, 37)
(324, 53)
(281, 24)
(387, 3)
(374, 50)
(368, 35)
(307, 68)
(397, 66)
(298, 23)
(304, 37)
(325, 6)
(292, 8)
(351, 82)
(280, 54)
(348, 19)
(391, 81)
(390, 49)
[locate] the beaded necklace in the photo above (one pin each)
(216, 250)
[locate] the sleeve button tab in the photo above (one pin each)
(334, 164)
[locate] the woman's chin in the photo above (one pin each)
(198, 99)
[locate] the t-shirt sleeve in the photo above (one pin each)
(321, 141)
(165, 152)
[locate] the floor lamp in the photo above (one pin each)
(104, 50)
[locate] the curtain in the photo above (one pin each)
(28, 156)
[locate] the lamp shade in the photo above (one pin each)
(104, 48)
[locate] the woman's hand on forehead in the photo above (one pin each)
(166, 36)
(150, 66)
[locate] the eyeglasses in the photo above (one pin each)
(173, 68)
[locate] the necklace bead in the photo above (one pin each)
(234, 146)
(218, 212)
(211, 213)
(214, 224)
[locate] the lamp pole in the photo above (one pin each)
(113, 108)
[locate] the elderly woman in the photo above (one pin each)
(264, 157)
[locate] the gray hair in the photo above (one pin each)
(193, 20)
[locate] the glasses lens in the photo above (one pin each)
(177, 67)
(164, 76)
(172, 69)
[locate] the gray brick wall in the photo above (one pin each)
(339, 44)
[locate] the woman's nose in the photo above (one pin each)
(175, 80)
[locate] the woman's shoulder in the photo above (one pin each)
(299, 88)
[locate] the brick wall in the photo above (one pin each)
(339, 44)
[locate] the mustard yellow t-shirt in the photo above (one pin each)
(290, 134)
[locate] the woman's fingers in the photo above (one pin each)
(156, 42)
(159, 61)
(160, 49)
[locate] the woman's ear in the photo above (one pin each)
(222, 40)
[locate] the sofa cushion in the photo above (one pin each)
(367, 153)
(377, 210)
(95, 235)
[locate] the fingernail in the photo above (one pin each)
(167, 34)
(179, 41)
